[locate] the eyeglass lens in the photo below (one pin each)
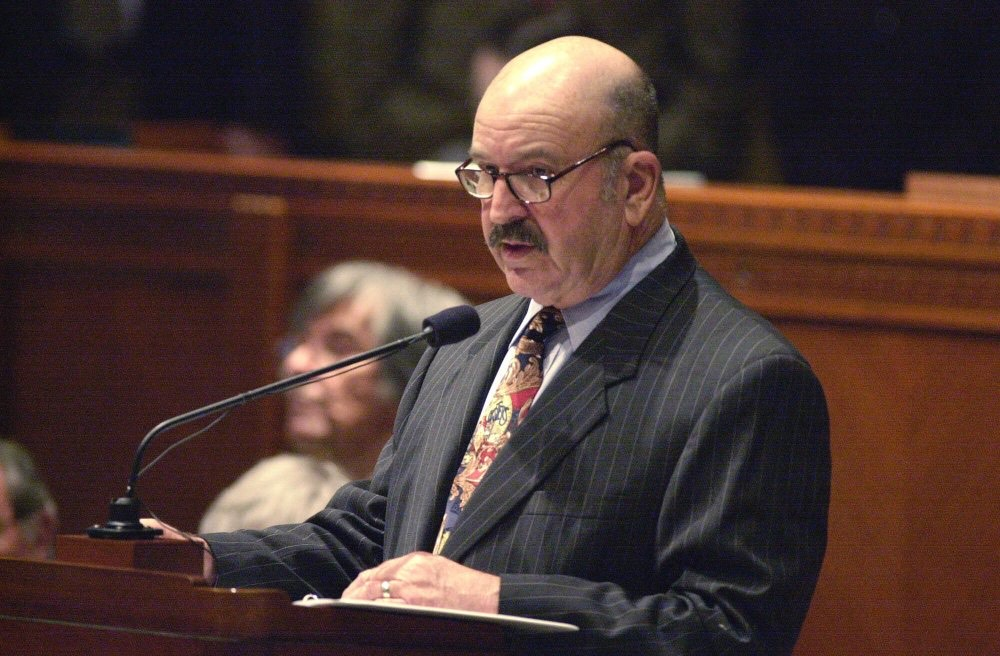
(525, 186)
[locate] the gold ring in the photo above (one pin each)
(386, 592)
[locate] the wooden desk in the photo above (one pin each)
(68, 609)
(139, 285)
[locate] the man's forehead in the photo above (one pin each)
(550, 144)
(535, 151)
(538, 134)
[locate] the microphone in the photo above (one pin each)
(446, 327)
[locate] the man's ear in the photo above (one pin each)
(643, 175)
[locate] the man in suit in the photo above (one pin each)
(666, 489)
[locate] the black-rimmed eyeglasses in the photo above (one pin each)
(527, 186)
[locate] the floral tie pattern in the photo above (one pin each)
(505, 411)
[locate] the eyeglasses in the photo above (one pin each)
(527, 186)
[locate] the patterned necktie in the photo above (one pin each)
(505, 411)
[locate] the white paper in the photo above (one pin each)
(526, 624)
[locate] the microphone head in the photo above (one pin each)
(451, 325)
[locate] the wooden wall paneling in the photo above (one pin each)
(7, 350)
(102, 353)
(385, 214)
(244, 322)
(913, 421)
(125, 288)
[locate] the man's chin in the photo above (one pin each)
(525, 282)
(517, 284)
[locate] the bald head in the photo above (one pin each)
(570, 108)
(594, 83)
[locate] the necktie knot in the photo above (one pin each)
(542, 326)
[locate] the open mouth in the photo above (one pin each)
(516, 249)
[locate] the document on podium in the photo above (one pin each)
(524, 624)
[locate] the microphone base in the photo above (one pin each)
(123, 523)
(110, 531)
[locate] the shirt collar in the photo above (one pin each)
(582, 318)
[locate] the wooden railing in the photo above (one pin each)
(139, 285)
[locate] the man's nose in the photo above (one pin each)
(504, 205)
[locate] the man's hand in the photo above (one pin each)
(169, 532)
(426, 580)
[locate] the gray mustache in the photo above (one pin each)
(521, 231)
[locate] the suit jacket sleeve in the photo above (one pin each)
(325, 553)
(320, 556)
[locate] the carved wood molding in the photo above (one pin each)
(848, 257)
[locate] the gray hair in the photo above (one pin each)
(634, 112)
(401, 300)
(634, 115)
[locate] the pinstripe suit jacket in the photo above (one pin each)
(667, 493)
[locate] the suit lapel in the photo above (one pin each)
(573, 404)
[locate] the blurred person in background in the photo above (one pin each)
(334, 427)
(29, 519)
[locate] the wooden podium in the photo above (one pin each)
(63, 607)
